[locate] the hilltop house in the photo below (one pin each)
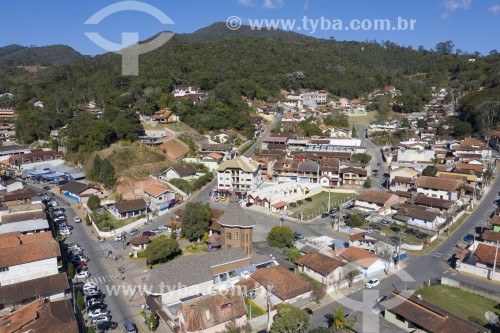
(127, 208)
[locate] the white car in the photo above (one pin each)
(118, 238)
(98, 312)
(162, 227)
(65, 232)
(89, 286)
(82, 275)
(77, 219)
(54, 203)
(372, 283)
(74, 246)
(100, 318)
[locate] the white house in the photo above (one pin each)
(322, 268)
(27, 257)
(211, 160)
(375, 201)
(442, 188)
(241, 174)
(183, 171)
(419, 216)
(369, 264)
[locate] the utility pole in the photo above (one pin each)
(329, 191)
(270, 288)
(494, 263)
(74, 298)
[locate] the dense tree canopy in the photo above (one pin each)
(195, 220)
(280, 237)
(162, 249)
(290, 319)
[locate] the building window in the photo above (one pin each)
(226, 306)
(228, 235)
(236, 235)
(400, 318)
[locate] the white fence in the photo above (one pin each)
(478, 271)
(119, 231)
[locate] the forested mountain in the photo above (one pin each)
(47, 56)
(256, 65)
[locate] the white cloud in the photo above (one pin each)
(269, 4)
(452, 5)
(445, 15)
(495, 9)
(246, 3)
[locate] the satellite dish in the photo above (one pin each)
(491, 317)
(100, 211)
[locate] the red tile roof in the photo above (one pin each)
(486, 253)
(320, 263)
(287, 284)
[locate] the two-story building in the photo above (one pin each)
(442, 188)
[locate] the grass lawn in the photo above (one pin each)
(107, 220)
(427, 250)
(363, 120)
(253, 310)
(317, 205)
(309, 279)
(459, 302)
(459, 222)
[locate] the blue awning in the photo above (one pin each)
(402, 257)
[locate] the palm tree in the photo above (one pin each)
(337, 321)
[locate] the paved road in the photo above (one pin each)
(377, 162)
(103, 271)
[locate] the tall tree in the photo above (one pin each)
(290, 320)
(195, 220)
(280, 237)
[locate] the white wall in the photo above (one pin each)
(438, 194)
(29, 271)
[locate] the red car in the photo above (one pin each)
(80, 264)
(148, 234)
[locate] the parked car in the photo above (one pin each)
(129, 327)
(298, 235)
(46, 188)
(148, 234)
(119, 238)
(106, 325)
(385, 222)
(76, 259)
(421, 235)
(64, 232)
(89, 286)
(309, 311)
(95, 300)
(133, 232)
(97, 293)
(77, 219)
(155, 230)
(372, 283)
(97, 305)
(58, 213)
(308, 199)
(395, 229)
(497, 202)
(292, 204)
(324, 215)
(98, 312)
(74, 246)
(162, 227)
(80, 264)
(82, 274)
(375, 226)
(469, 238)
(100, 318)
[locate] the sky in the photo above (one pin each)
(473, 25)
